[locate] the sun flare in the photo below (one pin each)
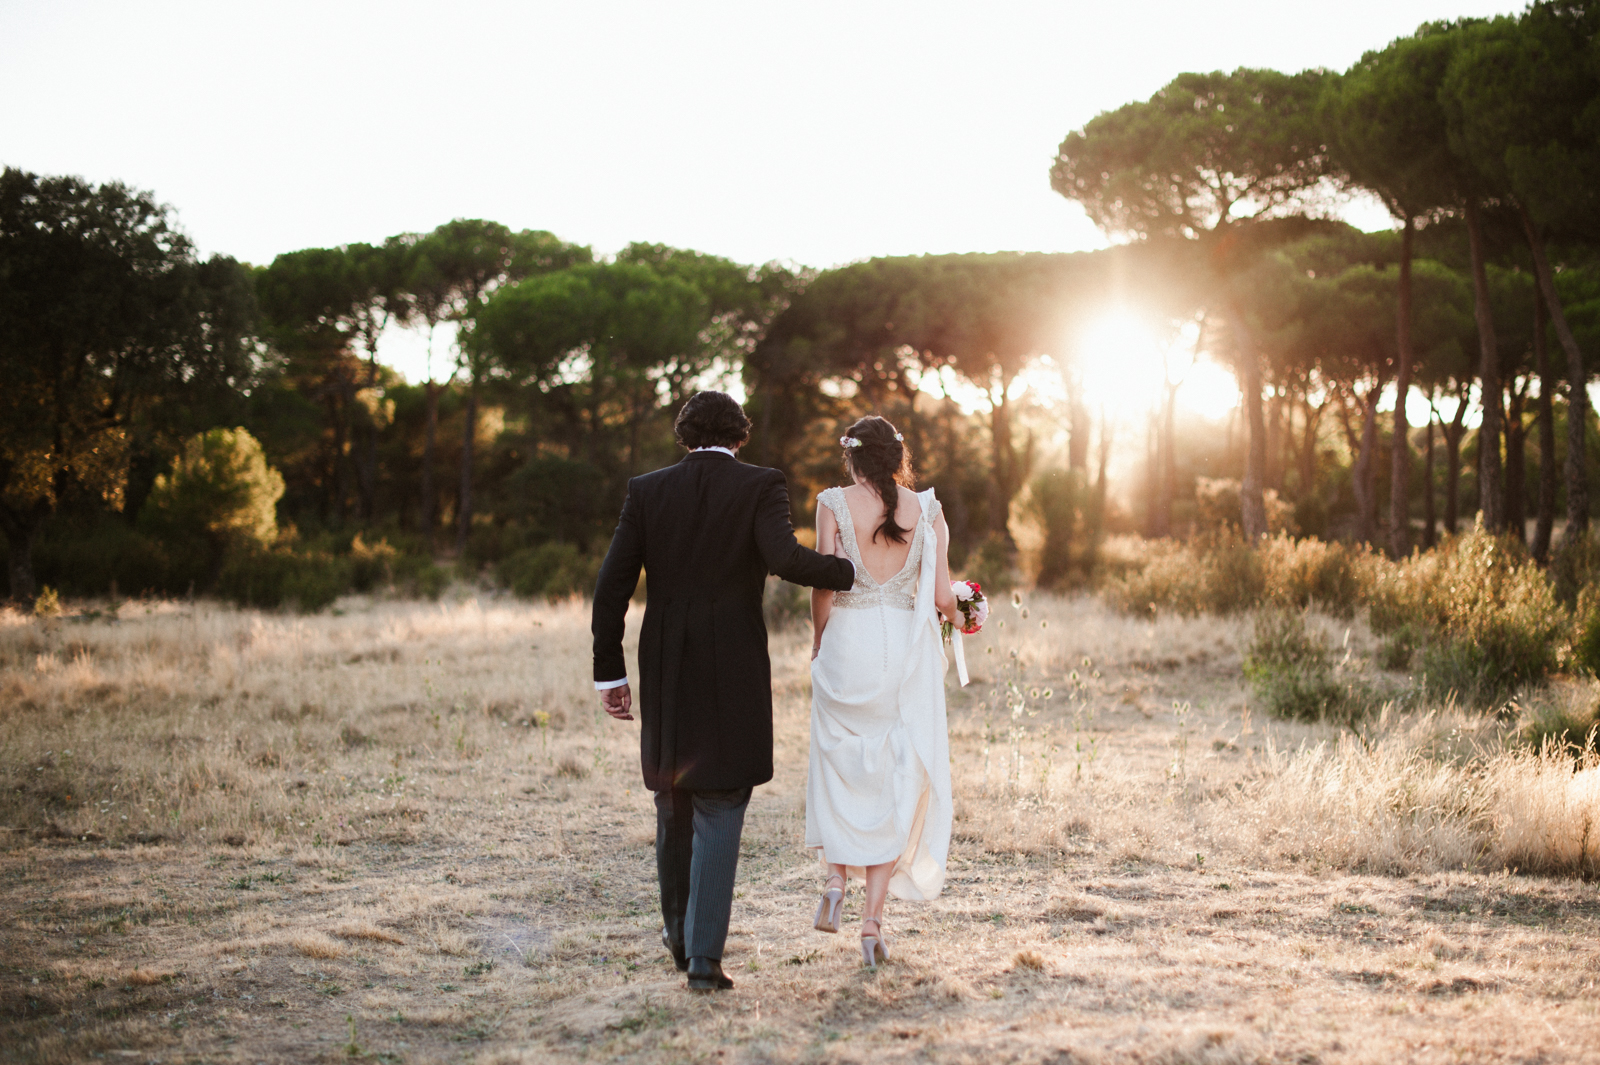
(1126, 363)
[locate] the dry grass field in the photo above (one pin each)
(404, 832)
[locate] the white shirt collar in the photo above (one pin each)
(728, 451)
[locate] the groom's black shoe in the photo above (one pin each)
(705, 974)
(678, 958)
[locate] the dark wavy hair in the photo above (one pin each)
(711, 419)
(884, 462)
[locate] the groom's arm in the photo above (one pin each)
(619, 576)
(786, 556)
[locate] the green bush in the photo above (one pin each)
(1576, 566)
(1562, 725)
(85, 559)
(1218, 573)
(551, 570)
(990, 565)
(273, 577)
(785, 604)
(430, 580)
(1586, 632)
(371, 565)
(1291, 672)
(1301, 573)
(1487, 617)
(1062, 504)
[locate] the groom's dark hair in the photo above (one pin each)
(711, 419)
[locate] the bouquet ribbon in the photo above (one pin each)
(960, 656)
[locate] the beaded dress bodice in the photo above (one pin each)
(898, 591)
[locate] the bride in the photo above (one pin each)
(878, 804)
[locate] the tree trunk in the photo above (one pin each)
(1164, 474)
(1152, 475)
(1577, 394)
(1430, 530)
(429, 441)
(20, 531)
(369, 463)
(1104, 461)
(1169, 459)
(1516, 504)
(1080, 424)
(1544, 522)
(1400, 450)
(1452, 469)
(1489, 486)
(464, 517)
(1001, 486)
(340, 488)
(1308, 448)
(1364, 476)
(1272, 414)
(1252, 505)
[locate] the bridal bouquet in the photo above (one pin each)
(972, 604)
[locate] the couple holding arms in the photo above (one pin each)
(708, 530)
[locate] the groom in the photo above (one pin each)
(707, 532)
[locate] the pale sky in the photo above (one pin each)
(819, 134)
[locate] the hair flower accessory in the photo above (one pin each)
(897, 436)
(849, 441)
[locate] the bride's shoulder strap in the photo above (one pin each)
(833, 499)
(930, 505)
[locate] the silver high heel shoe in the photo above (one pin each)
(827, 919)
(874, 948)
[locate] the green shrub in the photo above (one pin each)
(273, 577)
(371, 565)
(1062, 504)
(1576, 566)
(785, 604)
(1399, 647)
(551, 570)
(1218, 572)
(991, 565)
(1301, 573)
(48, 603)
(1559, 724)
(1292, 673)
(83, 559)
(430, 580)
(1488, 619)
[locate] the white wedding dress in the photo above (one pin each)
(878, 789)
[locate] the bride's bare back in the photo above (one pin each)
(882, 556)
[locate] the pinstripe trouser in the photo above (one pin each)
(697, 854)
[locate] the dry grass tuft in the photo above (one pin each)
(368, 931)
(445, 939)
(571, 768)
(1030, 960)
(317, 945)
(146, 977)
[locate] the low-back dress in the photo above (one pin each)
(878, 787)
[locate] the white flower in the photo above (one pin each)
(962, 589)
(849, 441)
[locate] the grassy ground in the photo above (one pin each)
(403, 832)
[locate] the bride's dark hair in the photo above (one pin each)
(884, 462)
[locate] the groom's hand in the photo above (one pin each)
(618, 702)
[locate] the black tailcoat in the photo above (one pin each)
(707, 532)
